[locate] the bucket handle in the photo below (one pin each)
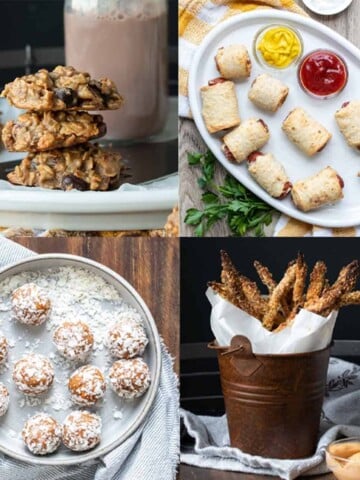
(232, 350)
(242, 356)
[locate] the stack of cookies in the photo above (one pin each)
(56, 130)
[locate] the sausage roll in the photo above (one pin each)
(269, 174)
(245, 139)
(219, 105)
(233, 62)
(305, 132)
(321, 189)
(268, 93)
(348, 120)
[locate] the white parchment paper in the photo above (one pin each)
(307, 333)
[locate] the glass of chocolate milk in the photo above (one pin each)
(126, 41)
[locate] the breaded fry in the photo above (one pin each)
(219, 288)
(254, 297)
(330, 300)
(278, 310)
(286, 323)
(317, 281)
(352, 298)
(299, 285)
(230, 275)
(226, 266)
(352, 277)
(222, 290)
(267, 279)
(265, 276)
(279, 293)
(326, 286)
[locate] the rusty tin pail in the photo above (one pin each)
(273, 402)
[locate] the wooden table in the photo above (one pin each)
(151, 266)
(192, 473)
(347, 24)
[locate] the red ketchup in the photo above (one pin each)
(323, 73)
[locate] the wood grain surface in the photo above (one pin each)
(347, 24)
(192, 473)
(150, 265)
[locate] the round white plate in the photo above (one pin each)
(242, 29)
(327, 7)
(120, 418)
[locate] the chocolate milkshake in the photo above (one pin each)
(129, 45)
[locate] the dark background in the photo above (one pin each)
(39, 24)
(200, 262)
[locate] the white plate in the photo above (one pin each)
(242, 29)
(115, 430)
(327, 7)
(138, 208)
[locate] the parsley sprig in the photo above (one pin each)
(244, 212)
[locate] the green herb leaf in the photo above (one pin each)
(209, 198)
(193, 216)
(245, 213)
(199, 230)
(202, 183)
(194, 158)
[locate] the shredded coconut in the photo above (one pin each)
(74, 340)
(76, 295)
(129, 378)
(30, 305)
(4, 347)
(81, 430)
(87, 385)
(33, 374)
(127, 337)
(42, 434)
(4, 399)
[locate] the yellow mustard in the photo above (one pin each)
(279, 46)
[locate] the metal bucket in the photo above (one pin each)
(273, 402)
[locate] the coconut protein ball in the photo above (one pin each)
(126, 337)
(4, 349)
(87, 385)
(30, 304)
(42, 434)
(73, 340)
(129, 378)
(4, 399)
(33, 374)
(81, 430)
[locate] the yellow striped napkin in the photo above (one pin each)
(289, 227)
(196, 19)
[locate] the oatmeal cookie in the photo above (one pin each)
(85, 167)
(40, 131)
(62, 89)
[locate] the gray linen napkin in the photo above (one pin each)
(150, 453)
(340, 417)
